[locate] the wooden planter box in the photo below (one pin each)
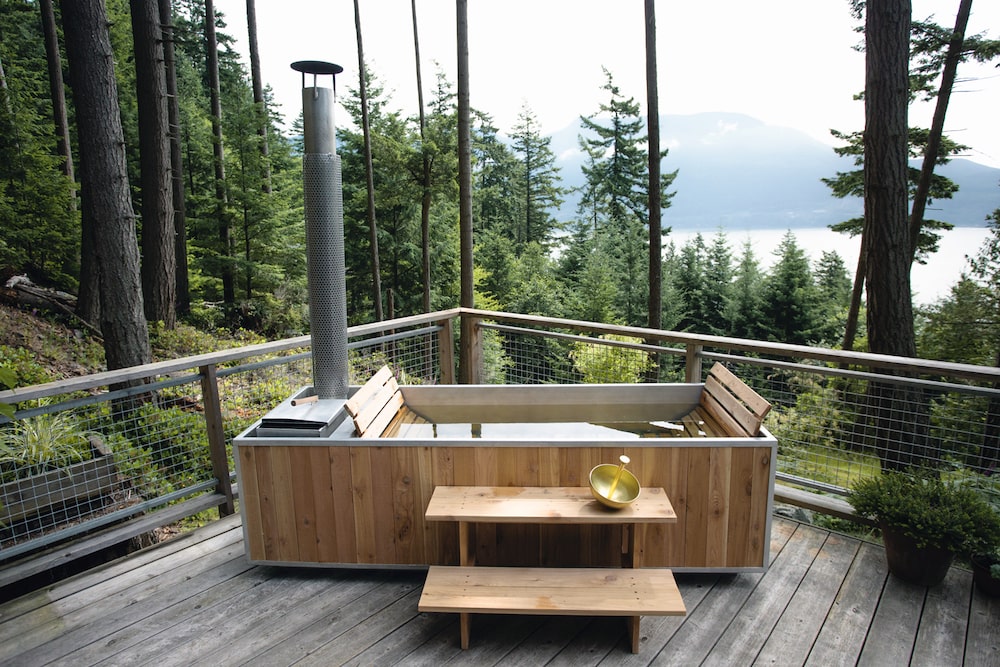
(64, 494)
(345, 500)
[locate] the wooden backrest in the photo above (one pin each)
(375, 404)
(738, 408)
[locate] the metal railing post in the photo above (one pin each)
(216, 437)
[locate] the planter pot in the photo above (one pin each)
(56, 490)
(984, 580)
(925, 566)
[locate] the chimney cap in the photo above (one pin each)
(316, 67)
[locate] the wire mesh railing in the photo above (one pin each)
(86, 453)
(838, 417)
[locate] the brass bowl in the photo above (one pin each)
(601, 478)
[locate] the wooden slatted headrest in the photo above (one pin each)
(375, 404)
(733, 403)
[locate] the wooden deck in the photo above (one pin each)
(826, 600)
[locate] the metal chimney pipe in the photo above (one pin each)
(324, 212)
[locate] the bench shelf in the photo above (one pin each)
(561, 591)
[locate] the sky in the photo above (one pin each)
(788, 63)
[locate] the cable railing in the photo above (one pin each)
(153, 443)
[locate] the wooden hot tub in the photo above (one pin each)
(344, 500)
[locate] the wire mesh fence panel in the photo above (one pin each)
(526, 357)
(834, 429)
(414, 359)
(98, 461)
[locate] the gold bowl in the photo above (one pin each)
(626, 491)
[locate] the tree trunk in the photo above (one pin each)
(258, 92)
(425, 182)
(466, 372)
(183, 298)
(5, 98)
(88, 296)
(854, 310)
(890, 314)
(655, 306)
(105, 188)
(369, 172)
(899, 412)
(221, 198)
(58, 93)
(933, 147)
(159, 269)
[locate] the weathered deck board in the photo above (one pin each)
(894, 627)
(982, 646)
(755, 619)
(846, 625)
(795, 632)
(826, 599)
(317, 623)
(693, 641)
(941, 636)
(54, 630)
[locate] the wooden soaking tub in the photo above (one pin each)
(349, 500)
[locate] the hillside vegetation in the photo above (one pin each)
(43, 347)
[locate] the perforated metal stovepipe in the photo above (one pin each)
(324, 211)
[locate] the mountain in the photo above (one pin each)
(737, 173)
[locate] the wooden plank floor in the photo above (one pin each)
(826, 600)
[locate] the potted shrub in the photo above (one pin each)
(925, 521)
(986, 572)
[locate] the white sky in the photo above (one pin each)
(786, 62)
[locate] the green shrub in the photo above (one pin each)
(611, 364)
(22, 367)
(931, 511)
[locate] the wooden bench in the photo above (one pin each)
(378, 407)
(727, 407)
(560, 591)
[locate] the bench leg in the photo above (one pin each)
(633, 632)
(463, 623)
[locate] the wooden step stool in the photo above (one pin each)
(631, 592)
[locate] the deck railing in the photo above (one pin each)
(161, 447)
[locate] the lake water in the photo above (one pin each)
(930, 282)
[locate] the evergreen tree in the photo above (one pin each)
(535, 288)
(961, 327)
(397, 196)
(691, 285)
(441, 146)
(718, 292)
(672, 308)
(789, 301)
(105, 194)
(614, 198)
(594, 295)
(851, 184)
(540, 192)
(495, 259)
(39, 230)
(746, 307)
(159, 271)
(833, 285)
(495, 197)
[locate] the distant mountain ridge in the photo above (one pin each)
(737, 173)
